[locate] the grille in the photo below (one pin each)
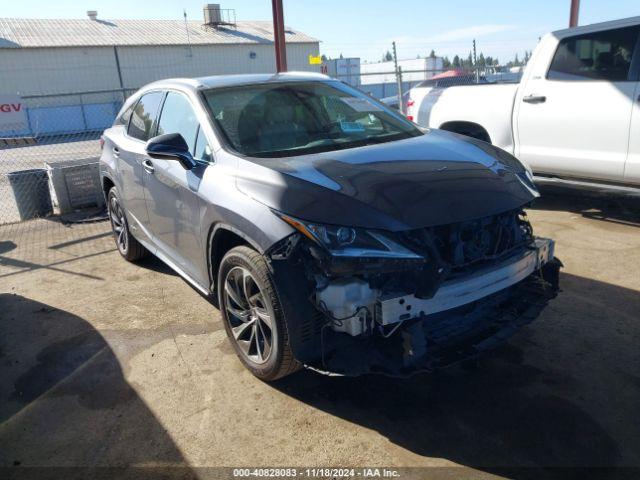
(474, 243)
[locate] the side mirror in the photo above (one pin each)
(171, 146)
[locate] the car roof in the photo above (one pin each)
(220, 81)
(596, 27)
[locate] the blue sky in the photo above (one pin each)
(366, 28)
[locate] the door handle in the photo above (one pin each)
(148, 166)
(116, 152)
(535, 99)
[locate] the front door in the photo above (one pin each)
(574, 121)
(171, 191)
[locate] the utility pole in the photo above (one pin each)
(475, 62)
(278, 35)
(398, 78)
(573, 16)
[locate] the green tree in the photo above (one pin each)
(387, 57)
(446, 63)
(456, 62)
(432, 54)
(468, 63)
(481, 61)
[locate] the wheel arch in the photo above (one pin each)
(107, 184)
(470, 129)
(221, 239)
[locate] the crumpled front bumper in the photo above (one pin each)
(464, 331)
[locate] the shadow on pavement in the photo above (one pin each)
(624, 210)
(64, 402)
(535, 404)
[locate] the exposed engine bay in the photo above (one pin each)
(470, 286)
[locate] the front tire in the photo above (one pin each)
(127, 245)
(252, 315)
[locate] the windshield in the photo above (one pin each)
(286, 119)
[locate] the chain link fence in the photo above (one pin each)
(60, 100)
(392, 87)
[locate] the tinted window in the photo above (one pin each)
(203, 150)
(143, 118)
(178, 117)
(286, 119)
(595, 56)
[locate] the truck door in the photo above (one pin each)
(574, 119)
(632, 167)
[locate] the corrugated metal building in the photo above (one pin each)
(56, 56)
(64, 58)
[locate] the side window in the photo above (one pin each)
(143, 117)
(178, 117)
(595, 56)
(125, 117)
(202, 150)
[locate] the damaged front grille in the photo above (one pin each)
(475, 243)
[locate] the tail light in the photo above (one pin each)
(410, 103)
(101, 142)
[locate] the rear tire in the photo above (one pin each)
(252, 315)
(127, 245)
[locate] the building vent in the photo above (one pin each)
(92, 14)
(212, 15)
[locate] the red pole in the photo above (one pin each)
(278, 35)
(575, 10)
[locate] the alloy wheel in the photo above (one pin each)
(249, 315)
(119, 224)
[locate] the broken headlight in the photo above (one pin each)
(343, 241)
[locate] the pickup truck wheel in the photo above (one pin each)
(127, 245)
(252, 315)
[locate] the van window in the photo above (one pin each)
(595, 56)
(143, 119)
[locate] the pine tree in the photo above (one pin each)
(456, 62)
(481, 61)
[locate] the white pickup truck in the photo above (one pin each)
(575, 115)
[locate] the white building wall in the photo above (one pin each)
(427, 67)
(32, 71)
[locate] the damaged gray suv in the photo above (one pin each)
(336, 234)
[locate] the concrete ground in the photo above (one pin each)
(106, 363)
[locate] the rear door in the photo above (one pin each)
(574, 121)
(171, 191)
(129, 149)
(632, 167)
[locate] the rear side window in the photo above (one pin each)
(125, 117)
(595, 56)
(143, 117)
(178, 117)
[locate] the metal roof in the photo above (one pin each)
(33, 33)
